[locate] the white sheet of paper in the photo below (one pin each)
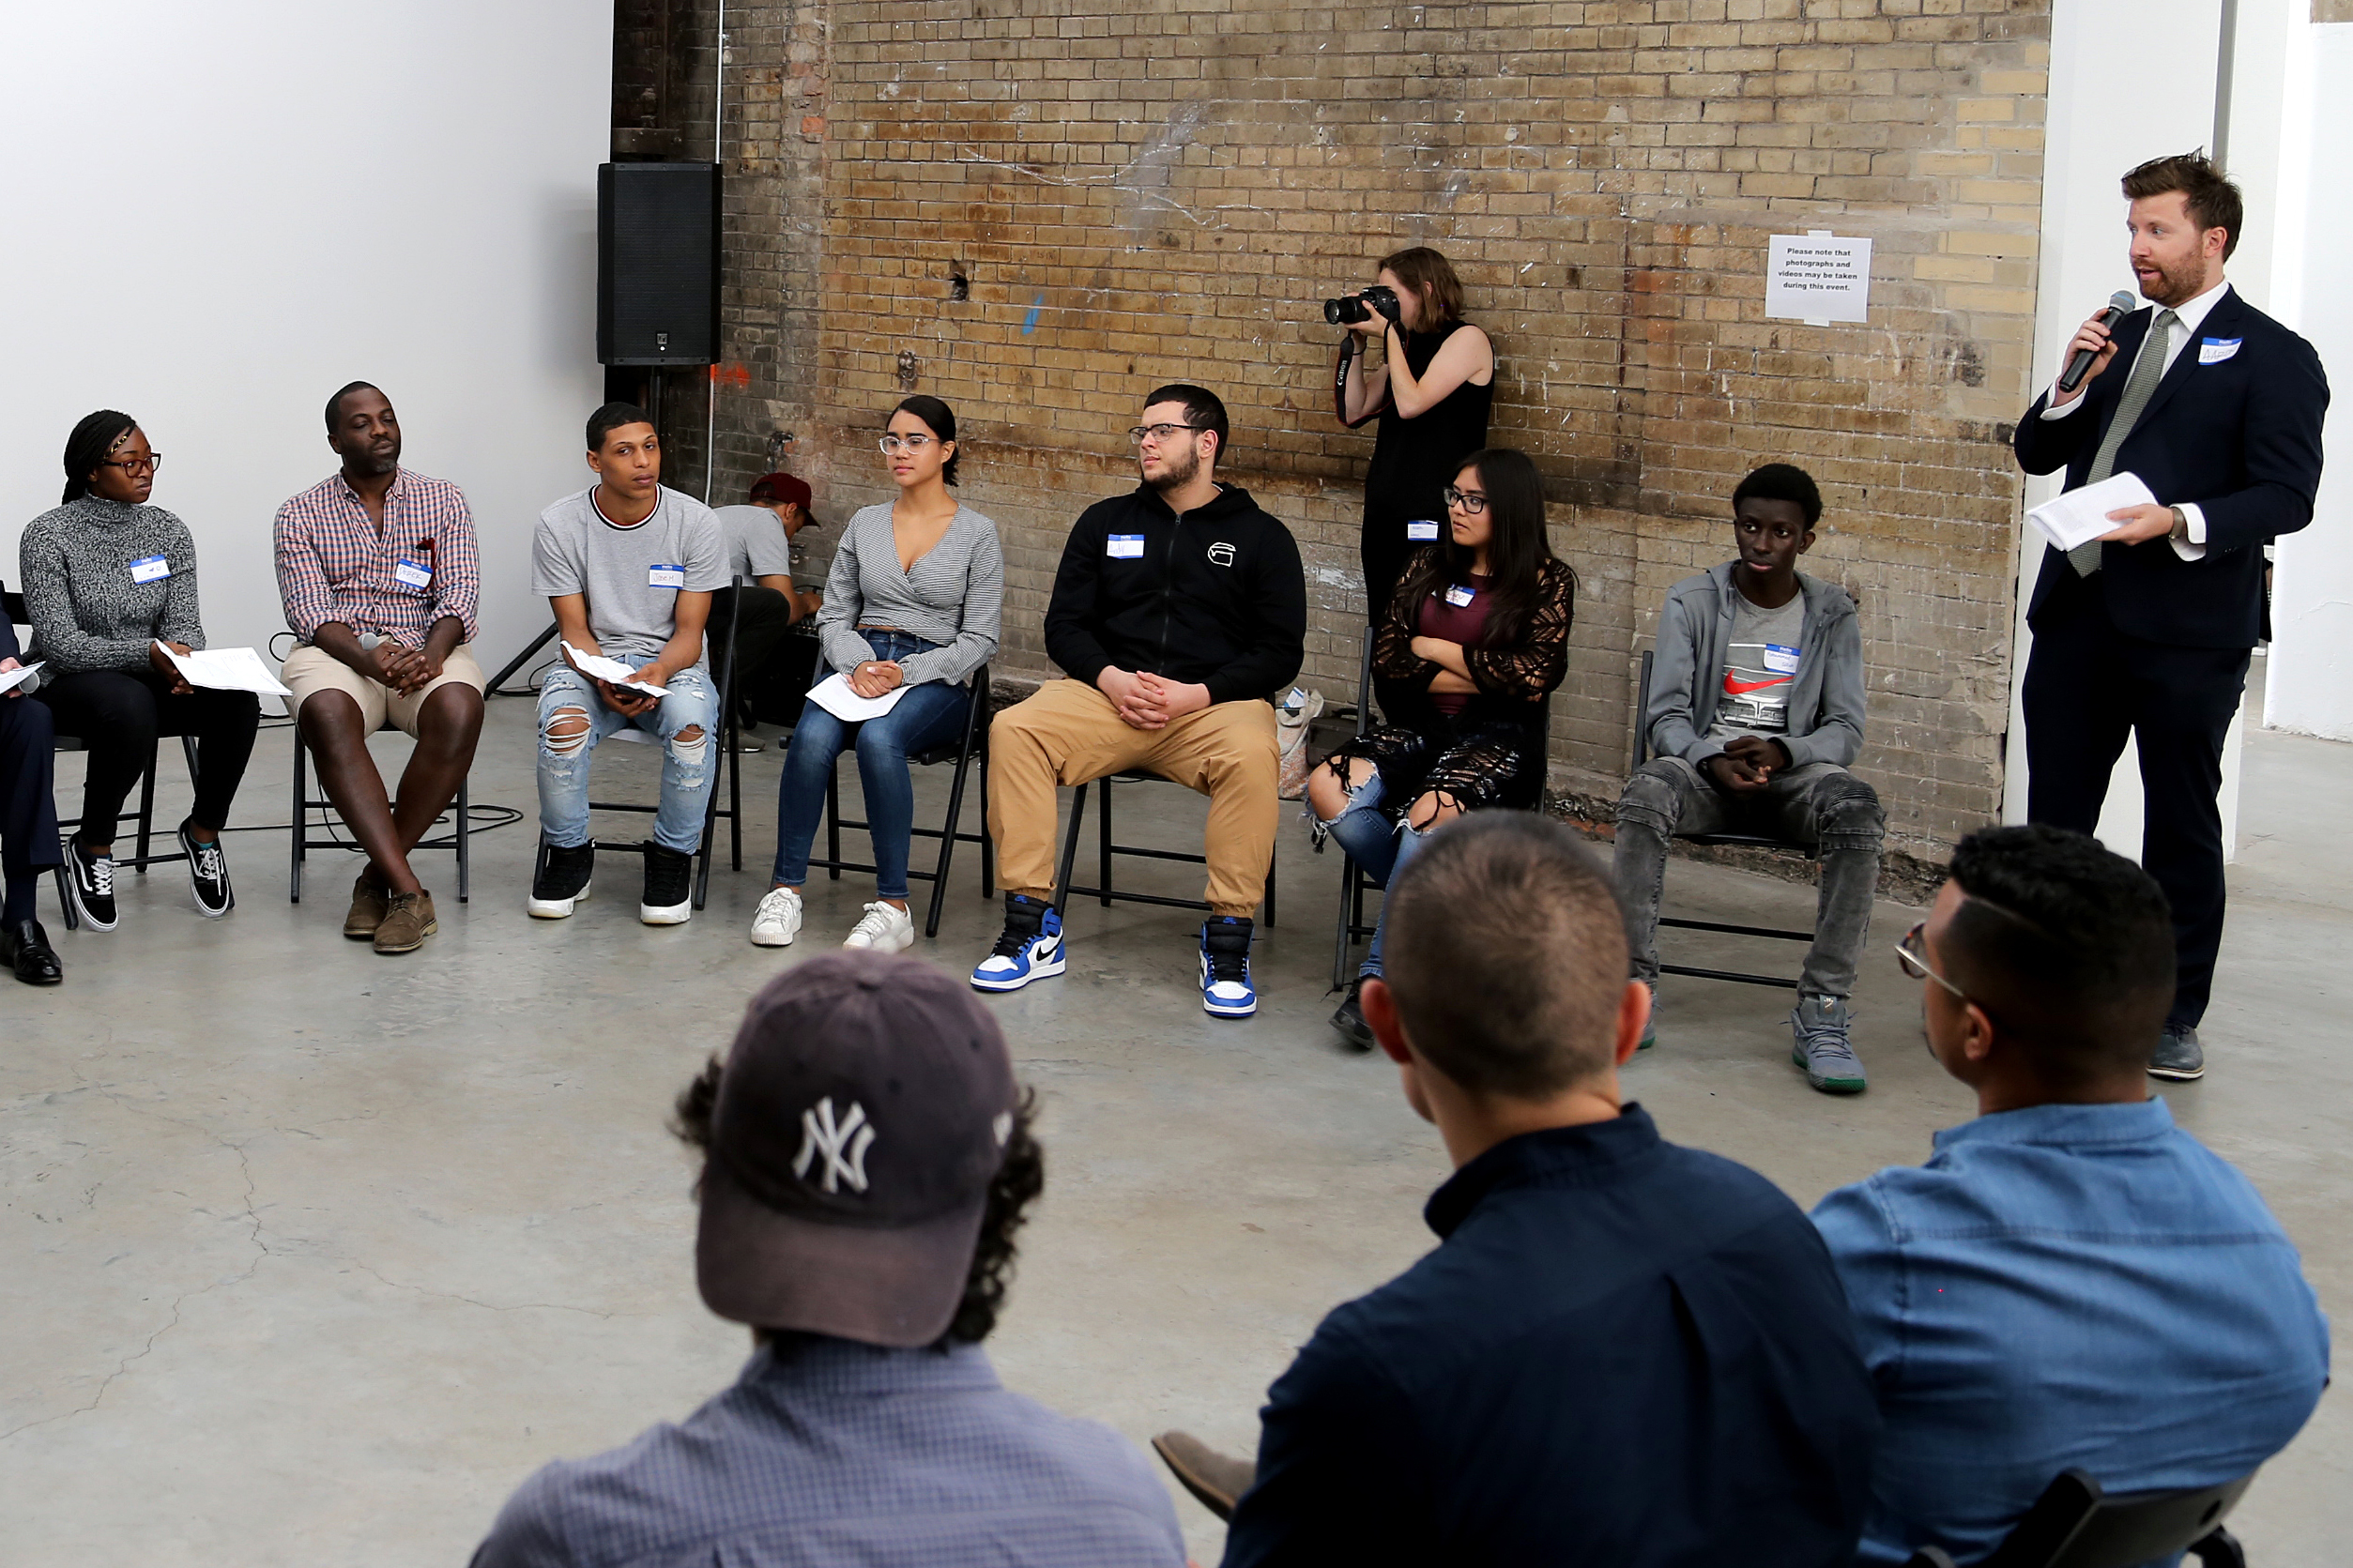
(612, 670)
(11, 680)
(2081, 515)
(833, 695)
(226, 669)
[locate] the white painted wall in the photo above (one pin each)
(220, 213)
(2311, 684)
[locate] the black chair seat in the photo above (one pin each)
(2074, 1524)
(1107, 846)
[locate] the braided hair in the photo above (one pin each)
(87, 446)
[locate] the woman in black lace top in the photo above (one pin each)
(1473, 642)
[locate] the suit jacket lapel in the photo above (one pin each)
(2222, 316)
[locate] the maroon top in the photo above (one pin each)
(1449, 622)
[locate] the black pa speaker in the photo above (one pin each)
(657, 263)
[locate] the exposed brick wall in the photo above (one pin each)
(1138, 192)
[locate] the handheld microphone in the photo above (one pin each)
(2120, 305)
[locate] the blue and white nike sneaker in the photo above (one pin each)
(1226, 989)
(1029, 948)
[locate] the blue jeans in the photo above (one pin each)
(688, 767)
(1380, 846)
(931, 714)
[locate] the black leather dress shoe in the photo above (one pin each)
(2178, 1055)
(25, 948)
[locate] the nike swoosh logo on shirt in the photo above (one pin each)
(1742, 688)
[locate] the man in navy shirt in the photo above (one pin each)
(2073, 1281)
(867, 1160)
(1622, 1352)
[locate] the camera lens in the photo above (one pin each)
(1339, 312)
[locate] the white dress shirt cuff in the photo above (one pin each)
(2051, 409)
(2194, 521)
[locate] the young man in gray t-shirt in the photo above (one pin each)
(1755, 714)
(628, 569)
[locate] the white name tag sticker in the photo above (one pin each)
(412, 575)
(1125, 547)
(150, 569)
(661, 576)
(2213, 351)
(1459, 597)
(1780, 660)
(1422, 528)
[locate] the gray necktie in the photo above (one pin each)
(2147, 371)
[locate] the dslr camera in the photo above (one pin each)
(1350, 309)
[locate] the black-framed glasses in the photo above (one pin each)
(893, 443)
(152, 461)
(1470, 501)
(1138, 434)
(1912, 952)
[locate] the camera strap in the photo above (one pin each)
(1350, 348)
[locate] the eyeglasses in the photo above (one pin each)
(894, 444)
(152, 461)
(1470, 501)
(1140, 433)
(1911, 953)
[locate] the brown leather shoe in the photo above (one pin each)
(408, 921)
(1217, 1480)
(368, 899)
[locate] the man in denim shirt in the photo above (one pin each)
(2072, 1279)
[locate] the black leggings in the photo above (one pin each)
(118, 714)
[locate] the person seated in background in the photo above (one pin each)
(28, 822)
(867, 1160)
(912, 606)
(760, 550)
(1178, 610)
(1622, 1352)
(630, 567)
(107, 578)
(1476, 639)
(1756, 713)
(2072, 1279)
(381, 579)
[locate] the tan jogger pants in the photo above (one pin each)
(1069, 733)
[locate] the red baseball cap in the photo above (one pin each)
(781, 486)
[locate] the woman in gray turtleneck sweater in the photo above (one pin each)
(106, 577)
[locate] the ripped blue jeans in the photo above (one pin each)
(690, 769)
(1379, 845)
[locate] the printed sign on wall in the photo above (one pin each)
(1818, 278)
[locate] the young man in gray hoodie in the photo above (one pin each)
(1756, 710)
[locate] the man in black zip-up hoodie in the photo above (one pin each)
(1179, 610)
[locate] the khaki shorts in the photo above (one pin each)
(310, 670)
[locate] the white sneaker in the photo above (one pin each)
(886, 928)
(777, 922)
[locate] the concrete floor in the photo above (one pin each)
(311, 1255)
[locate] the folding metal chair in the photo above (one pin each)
(460, 829)
(2076, 1525)
(12, 605)
(1107, 846)
(1760, 840)
(970, 747)
(724, 739)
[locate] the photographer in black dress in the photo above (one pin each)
(1432, 392)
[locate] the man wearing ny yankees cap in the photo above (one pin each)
(866, 1161)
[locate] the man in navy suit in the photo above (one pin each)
(28, 823)
(2147, 630)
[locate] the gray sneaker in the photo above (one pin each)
(1817, 1030)
(2179, 1054)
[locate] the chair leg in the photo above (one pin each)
(1270, 890)
(1340, 936)
(947, 844)
(65, 900)
(1103, 828)
(988, 842)
(298, 839)
(834, 821)
(147, 815)
(464, 840)
(735, 784)
(1070, 851)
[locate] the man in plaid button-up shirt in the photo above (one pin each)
(381, 581)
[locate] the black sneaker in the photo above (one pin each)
(90, 883)
(207, 875)
(1348, 1017)
(562, 881)
(669, 886)
(2178, 1055)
